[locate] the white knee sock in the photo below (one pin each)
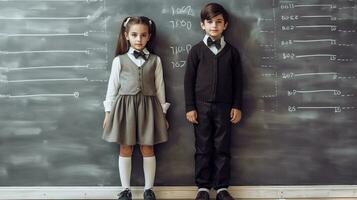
(149, 164)
(125, 171)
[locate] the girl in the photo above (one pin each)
(135, 102)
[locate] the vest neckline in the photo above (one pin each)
(146, 61)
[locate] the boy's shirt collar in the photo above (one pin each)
(214, 48)
(223, 42)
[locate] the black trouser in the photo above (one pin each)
(212, 157)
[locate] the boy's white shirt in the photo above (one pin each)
(213, 48)
(113, 83)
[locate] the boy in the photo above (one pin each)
(213, 94)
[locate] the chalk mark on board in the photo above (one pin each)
(321, 73)
(44, 18)
(75, 94)
(332, 41)
(45, 51)
(314, 5)
(335, 108)
(332, 56)
(332, 27)
(54, 0)
(43, 67)
(318, 16)
(44, 80)
(42, 34)
(294, 92)
(291, 75)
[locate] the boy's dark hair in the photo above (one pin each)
(123, 45)
(213, 9)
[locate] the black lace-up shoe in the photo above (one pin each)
(125, 195)
(224, 195)
(149, 195)
(202, 195)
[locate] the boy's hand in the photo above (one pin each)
(192, 116)
(236, 115)
(167, 124)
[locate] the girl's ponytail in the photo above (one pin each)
(122, 44)
(152, 31)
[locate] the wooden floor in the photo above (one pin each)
(318, 192)
(258, 199)
(254, 199)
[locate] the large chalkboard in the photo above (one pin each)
(299, 111)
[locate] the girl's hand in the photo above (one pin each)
(192, 116)
(236, 115)
(106, 119)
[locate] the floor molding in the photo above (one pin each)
(180, 192)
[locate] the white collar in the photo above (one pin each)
(222, 40)
(131, 50)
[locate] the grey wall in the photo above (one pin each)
(298, 122)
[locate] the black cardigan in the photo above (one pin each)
(213, 78)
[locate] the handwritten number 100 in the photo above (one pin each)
(181, 23)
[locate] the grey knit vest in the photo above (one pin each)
(134, 79)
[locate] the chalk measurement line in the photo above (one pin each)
(313, 74)
(313, 91)
(52, 0)
(317, 40)
(45, 18)
(316, 16)
(316, 26)
(336, 108)
(313, 5)
(42, 34)
(75, 94)
(315, 55)
(44, 51)
(44, 80)
(43, 67)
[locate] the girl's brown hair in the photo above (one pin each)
(123, 45)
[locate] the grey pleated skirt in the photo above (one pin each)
(136, 119)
